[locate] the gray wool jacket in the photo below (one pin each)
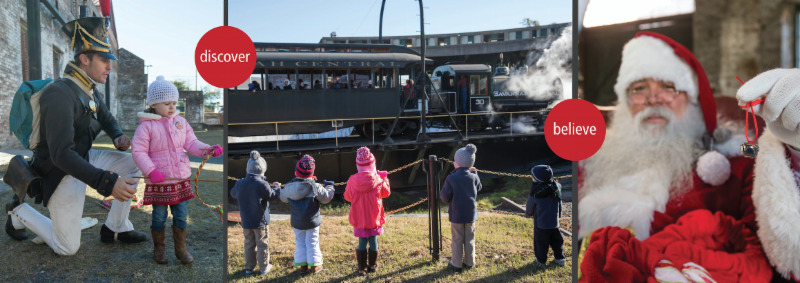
(304, 197)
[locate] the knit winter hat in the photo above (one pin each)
(653, 55)
(365, 161)
(542, 173)
(305, 167)
(256, 164)
(465, 156)
(161, 90)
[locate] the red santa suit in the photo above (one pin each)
(705, 233)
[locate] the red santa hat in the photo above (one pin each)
(653, 55)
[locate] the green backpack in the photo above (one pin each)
(24, 117)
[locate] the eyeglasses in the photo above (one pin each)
(639, 94)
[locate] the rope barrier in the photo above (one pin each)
(425, 199)
(216, 208)
(507, 174)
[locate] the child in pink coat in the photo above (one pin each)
(365, 191)
(158, 149)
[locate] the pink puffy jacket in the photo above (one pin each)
(364, 191)
(159, 144)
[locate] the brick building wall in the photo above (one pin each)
(13, 20)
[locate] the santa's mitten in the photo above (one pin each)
(713, 168)
(781, 107)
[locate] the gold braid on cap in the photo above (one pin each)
(89, 46)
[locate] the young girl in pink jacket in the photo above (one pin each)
(365, 191)
(158, 149)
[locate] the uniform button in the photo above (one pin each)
(106, 181)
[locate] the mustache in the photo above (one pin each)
(654, 111)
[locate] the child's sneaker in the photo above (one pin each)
(267, 270)
(248, 272)
(537, 263)
(467, 267)
(560, 262)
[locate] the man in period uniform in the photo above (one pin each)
(71, 114)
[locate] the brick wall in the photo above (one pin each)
(13, 17)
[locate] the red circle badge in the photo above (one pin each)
(574, 129)
(225, 57)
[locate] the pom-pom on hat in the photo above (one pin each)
(256, 164)
(365, 161)
(542, 173)
(653, 55)
(465, 156)
(161, 90)
(305, 167)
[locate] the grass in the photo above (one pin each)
(504, 253)
(99, 262)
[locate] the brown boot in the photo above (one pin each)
(315, 269)
(373, 258)
(304, 269)
(159, 248)
(179, 236)
(361, 257)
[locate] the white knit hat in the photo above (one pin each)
(161, 90)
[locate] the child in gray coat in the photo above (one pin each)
(304, 196)
(544, 205)
(460, 190)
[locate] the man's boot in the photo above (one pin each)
(361, 257)
(179, 236)
(107, 236)
(373, 258)
(159, 248)
(14, 233)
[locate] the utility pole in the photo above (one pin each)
(423, 137)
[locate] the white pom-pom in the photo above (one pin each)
(160, 78)
(713, 168)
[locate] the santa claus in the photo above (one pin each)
(667, 197)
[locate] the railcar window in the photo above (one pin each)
(473, 84)
(484, 89)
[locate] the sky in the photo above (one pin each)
(308, 21)
(165, 34)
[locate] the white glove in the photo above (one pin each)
(781, 108)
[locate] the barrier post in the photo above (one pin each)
(434, 217)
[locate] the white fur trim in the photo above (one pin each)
(713, 168)
(615, 207)
(152, 116)
(732, 146)
(776, 198)
(648, 57)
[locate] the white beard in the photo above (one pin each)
(639, 168)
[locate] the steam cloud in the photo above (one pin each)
(551, 78)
